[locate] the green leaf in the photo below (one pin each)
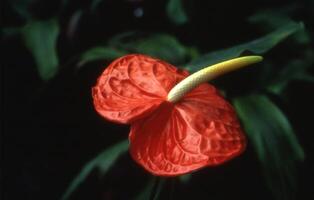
(40, 38)
(21, 7)
(274, 141)
(161, 46)
(175, 12)
(100, 53)
(10, 31)
(296, 69)
(121, 39)
(272, 18)
(150, 191)
(258, 46)
(305, 77)
(160, 185)
(94, 4)
(146, 193)
(102, 162)
(74, 22)
(185, 178)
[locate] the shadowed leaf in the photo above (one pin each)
(74, 22)
(272, 18)
(22, 7)
(161, 46)
(160, 185)
(258, 46)
(152, 190)
(276, 145)
(185, 178)
(94, 4)
(40, 38)
(296, 69)
(176, 13)
(7, 32)
(100, 53)
(146, 193)
(102, 162)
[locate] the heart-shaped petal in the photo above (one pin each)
(200, 130)
(167, 138)
(133, 86)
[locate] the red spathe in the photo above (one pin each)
(167, 139)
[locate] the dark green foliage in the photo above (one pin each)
(176, 13)
(147, 191)
(258, 46)
(162, 46)
(274, 141)
(295, 70)
(103, 162)
(40, 38)
(100, 53)
(167, 30)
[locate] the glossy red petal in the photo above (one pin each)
(200, 130)
(133, 86)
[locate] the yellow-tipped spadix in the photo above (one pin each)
(209, 73)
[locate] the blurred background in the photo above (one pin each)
(55, 146)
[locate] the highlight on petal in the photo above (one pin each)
(133, 86)
(200, 130)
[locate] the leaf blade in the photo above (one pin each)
(161, 46)
(185, 178)
(146, 193)
(100, 53)
(274, 141)
(257, 46)
(176, 13)
(40, 37)
(103, 162)
(295, 69)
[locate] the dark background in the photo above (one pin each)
(50, 129)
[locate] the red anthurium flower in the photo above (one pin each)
(174, 130)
